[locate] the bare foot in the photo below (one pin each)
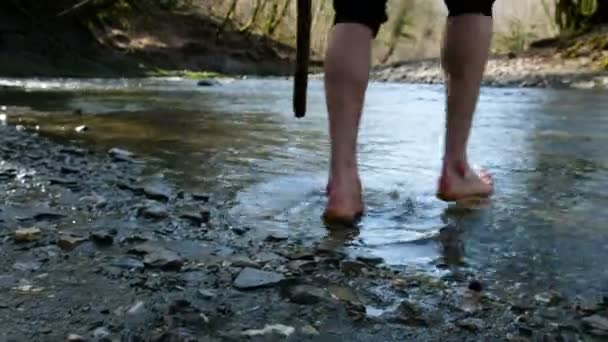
(345, 202)
(460, 183)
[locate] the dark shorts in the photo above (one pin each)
(372, 13)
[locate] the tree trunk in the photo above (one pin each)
(279, 17)
(259, 5)
(227, 18)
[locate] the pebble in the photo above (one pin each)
(267, 257)
(47, 215)
(370, 259)
(472, 324)
(101, 333)
(241, 261)
(411, 313)
(240, 230)
(200, 197)
(309, 330)
(351, 267)
(307, 294)
(270, 329)
(194, 217)
(206, 294)
(81, 129)
(155, 211)
(157, 191)
(136, 309)
(62, 181)
(207, 83)
(104, 238)
(475, 285)
(69, 170)
(75, 338)
(251, 278)
(27, 234)
(119, 154)
(164, 259)
(68, 241)
(344, 294)
(548, 298)
(596, 322)
(26, 266)
(277, 236)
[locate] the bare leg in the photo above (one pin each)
(464, 57)
(347, 67)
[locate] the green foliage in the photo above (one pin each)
(516, 39)
(573, 15)
(189, 74)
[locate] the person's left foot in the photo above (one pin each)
(345, 203)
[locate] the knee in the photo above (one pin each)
(460, 7)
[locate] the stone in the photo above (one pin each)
(276, 236)
(155, 211)
(596, 322)
(201, 197)
(194, 217)
(94, 201)
(75, 338)
(207, 83)
(206, 294)
(251, 278)
(279, 329)
(309, 330)
(101, 333)
(351, 267)
(81, 129)
(307, 294)
(68, 242)
(157, 191)
(119, 154)
(411, 313)
(370, 259)
(26, 266)
(128, 263)
(62, 181)
(69, 170)
(241, 261)
(164, 259)
(240, 230)
(76, 151)
(472, 324)
(475, 285)
(136, 308)
(103, 238)
(27, 235)
(548, 298)
(344, 294)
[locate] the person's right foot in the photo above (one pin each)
(345, 202)
(462, 183)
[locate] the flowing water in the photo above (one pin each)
(547, 226)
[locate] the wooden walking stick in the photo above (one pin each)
(302, 58)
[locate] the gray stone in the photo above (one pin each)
(206, 294)
(47, 215)
(104, 238)
(155, 211)
(207, 83)
(119, 154)
(309, 330)
(62, 181)
(75, 338)
(158, 190)
(352, 267)
(307, 294)
(241, 261)
(7, 281)
(411, 313)
(548, 298)
(128, 263)
(200, 197)
(472, 324)
(164, 259)
(596, 322)
(69, 241)
(69, 170)
(101, 333)
(195, 217)
(267, 257)
(26, 266)
(251, 278)
(370, 259)
(276, 236)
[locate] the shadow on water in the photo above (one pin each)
(546, 226)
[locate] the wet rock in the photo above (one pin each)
(206, 294)
(276, 236)
(475, 285)
(103, 238)
(68, 242)
(207, 83)
(196, 218)
(301, 254)
(62, 181)
(472, 324)
(7, 282)
(344, 294)
(597, 324)
(164, 259)
(128, 263)
(26, 266)
(548, 298)
(240, 230)
(94, 200)
(309, 330)
(101, 333)
(69, 170)
(307, 294)
(154, 211)
(136, 309)
(370, 259)
(241, 261)
(267, 257)
(182, 313)
(119, 154)
(27, 235)
(47, 215)
(271, 329)
(356, 312)
(200, 197)
(411, 313)
(81, 129)
(157, 191)
(75, 338)
(76, 151)
(251, 278)
(351, 267)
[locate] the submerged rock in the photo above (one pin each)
(27, 234)
(154, 211)
(164, 259)
(69, 241)
(472, 324)
(370, 259)
(157, 191)
(128, 263)
(251, 278)
(276, 236)
(119, 154)
(104, 238)
(207, 83)
(280, 329)
(307, 294)
(75, 338)
(597, 324)
(309, 330)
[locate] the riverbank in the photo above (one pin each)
(120, 254)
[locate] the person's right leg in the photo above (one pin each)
(464, 57)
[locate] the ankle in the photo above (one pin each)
(455, 166)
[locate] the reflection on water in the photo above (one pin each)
(546, 225)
